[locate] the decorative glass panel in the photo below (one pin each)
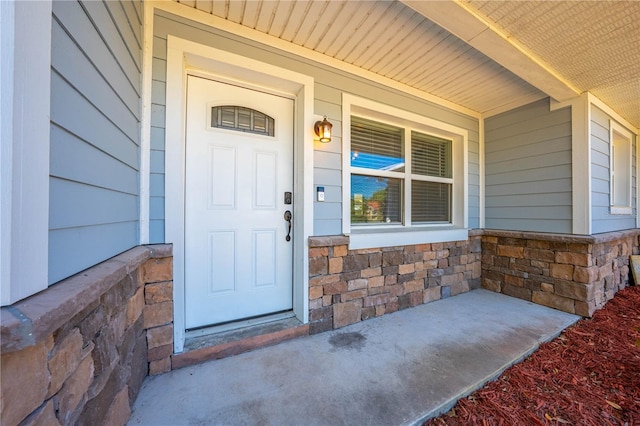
(242, 119)
(430, 155)
(430, 202)
(375, 199)
(376, 145)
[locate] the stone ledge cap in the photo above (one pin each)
(159, 251)
(547, 236)
(330, 241)
(29, 321)
(616, 235)
(564, 238)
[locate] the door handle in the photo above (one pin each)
(287, 217)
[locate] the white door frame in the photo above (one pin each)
(184, 57)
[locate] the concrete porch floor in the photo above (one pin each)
(401, 368)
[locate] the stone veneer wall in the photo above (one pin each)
(575, 274)
(79, 351)
(347, 286)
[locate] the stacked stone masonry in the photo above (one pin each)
(348, 286)
(78, 352)
(574, 274)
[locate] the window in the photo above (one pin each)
(620, 169)
(405, 176)
(377, 165)
(380, 172)
(242, 119)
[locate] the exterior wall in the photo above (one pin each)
(329, 86)
(601, 218)
(348, 286)
(575, 274)
(528, 169)
(95, 118)
(78, 352)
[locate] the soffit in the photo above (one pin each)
(589, 46)
(386, 38)
(488, 56)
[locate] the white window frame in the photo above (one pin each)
(625, 151)
(369, 236)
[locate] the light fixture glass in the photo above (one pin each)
(323, 130)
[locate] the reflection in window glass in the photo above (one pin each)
(376, 199)
(376, 145)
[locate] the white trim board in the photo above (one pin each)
(580, 162)
(25, 92)
(145, 123)
(481, 172)
(185, 56)
(464, 22)
(614, 127)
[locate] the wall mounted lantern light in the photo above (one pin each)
(323, 130)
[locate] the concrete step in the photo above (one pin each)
(224, 344)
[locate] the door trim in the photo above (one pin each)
(186, 57)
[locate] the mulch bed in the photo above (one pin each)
(589, 375)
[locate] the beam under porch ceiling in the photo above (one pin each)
(468, 25)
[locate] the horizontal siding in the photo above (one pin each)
(73, 18)
(76, 160)
(601, 217)
(528, 169)
(327, 159)
(158, 103)
(71, 63)
(71, 111)
(80, 205)
(88, 245)
(95, 127)
(330, 83)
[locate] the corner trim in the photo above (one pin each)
(25, 84)
(580, 162)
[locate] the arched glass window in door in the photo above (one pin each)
(242, 119)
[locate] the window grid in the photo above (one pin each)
(426, 192)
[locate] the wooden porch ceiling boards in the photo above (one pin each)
(564, 39)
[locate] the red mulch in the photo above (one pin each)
(589, 375)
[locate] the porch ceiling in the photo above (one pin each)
(488, 56)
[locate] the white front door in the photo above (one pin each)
(238, 167)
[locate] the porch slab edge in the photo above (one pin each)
(448, 405)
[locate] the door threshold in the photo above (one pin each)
(235, 325)
(226, 340)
